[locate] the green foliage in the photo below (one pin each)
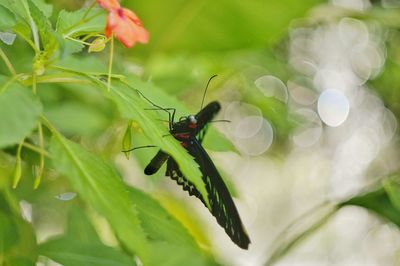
(102, 188)
(20, 111)
(80, 245)
(158, 223)
(7, 19)
(17, 238)
(383, 201)
(71, 252)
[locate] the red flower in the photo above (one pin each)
(125, 25)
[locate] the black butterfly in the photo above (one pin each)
(190, 132)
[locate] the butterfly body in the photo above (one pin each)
(190, 132)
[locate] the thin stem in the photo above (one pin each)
(92, 35)
(7, 62)
(48, 124)
(17, 170)
(86, 74)
(36, 149)
(76, 40)
(41, 161)
(140, 147)
(34, 83)
(62, 80)
(110, 62)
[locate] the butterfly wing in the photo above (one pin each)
(222, 206)
(175, 173)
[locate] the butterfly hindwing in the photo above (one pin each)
(175, 173)
(222, 206)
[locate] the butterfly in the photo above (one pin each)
(190, 131)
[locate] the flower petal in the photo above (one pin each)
(127, 27)
(109, 4)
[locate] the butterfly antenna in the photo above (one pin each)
(205, 91)
(152, 103)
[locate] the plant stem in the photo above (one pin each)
(76, 40)
(41, 162)
(48, 124)
(34, 83)
(17, 170)
(110, 62)
(8, 63)
(36, 149)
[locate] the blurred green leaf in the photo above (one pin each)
(377, 201)
(50, 40)
(46, 9)
(158, 223)
(20, 111)
(392, 187)
(8, 233)
(216, 141)
(99, 185)
(75, 118)
(71, 23)
(80, 228)
(168, 254)
(17, 237)
(73, 252)
(7, 19)
(219, 25)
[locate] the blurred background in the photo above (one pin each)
(312, 90)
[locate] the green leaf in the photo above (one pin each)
(75, 118)
(20, 111)
(379, 202)
(167, 254)
(8, 233)
(48, 36)
(7, 19)
(133, 107)
(100, 186)
(72, 252)
(392, 187)
(216, 141)
(46, 9)
(17, 238)
(158, 223)
(71, 24)
(16, 7)
(80, 228)
(127, 140)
